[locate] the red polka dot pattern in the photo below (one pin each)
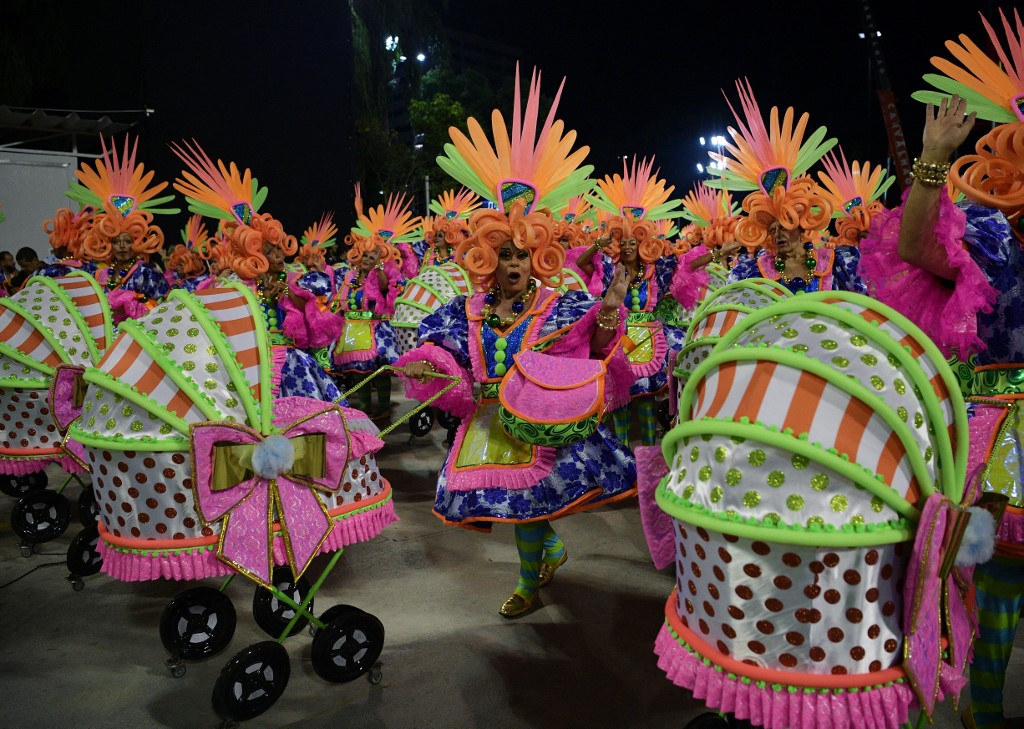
(816, 610)
(145, 495)
(25, 420)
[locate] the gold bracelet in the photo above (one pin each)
(930, 173)
(608, 322)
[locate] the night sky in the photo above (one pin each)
(648, 78)
(268, 84)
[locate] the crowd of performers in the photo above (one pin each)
(608, 268)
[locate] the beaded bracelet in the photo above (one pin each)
(608, 322)
(929, 173)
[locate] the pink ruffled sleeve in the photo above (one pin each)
(125, 305)
(689, 284)
(459, 400)
(593, 281)
(306, 323)
(410, 263)
(948, 315)
(380, 302)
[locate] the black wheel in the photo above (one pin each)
(40, 516)
(271, 613)
(332, 613)
(251, 681)
(88, 509)
(447, 420)
(197, 623)
(708, 720)
(421, 423)
(348, 647)
(18, 486)
(83, 557)
(663, 415)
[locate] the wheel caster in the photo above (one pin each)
(271, 613)
(77, 584)
(40, 516)
(376, 674)
(18, 486)
(197, 623)
(348, 646)
(422, 422)
(83, 557)
(26, 550)
(176, 667)
(252, 681)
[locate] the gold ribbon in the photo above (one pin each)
(232, 462)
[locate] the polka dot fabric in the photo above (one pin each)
(804, 609)
(25, 420)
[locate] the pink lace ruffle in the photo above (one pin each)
(25, 466)
(310, 327)
(688, 284)
(459, 400)
(776, 707)
(650, 468)
(278, 355)
(948, 316)
(197, 563)
(124, 305)
(486, 477)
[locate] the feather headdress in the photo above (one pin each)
(315, 240)
(124, 201)
(221, 192)
(383, 227)
(854, 190)
(193, 251)
(538, 169)
(994, 174)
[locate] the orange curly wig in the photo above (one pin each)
(803, 206)
(649, 246)
(108, 224)
(246, 243)
(491, 229)
(994, 174)
(67, 230)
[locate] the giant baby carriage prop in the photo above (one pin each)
(201, 472)
(716, 314)
(812, 484)
(50, 330)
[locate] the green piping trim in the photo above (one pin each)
(224, 351)
(147, 443)
(151, 406)
(170, 368)
(951, 477)
(267, 399)
(34, 384)
(794, 444)
(41, 328)
(108, 317)
(413, 304)
(74, 313)
(723, 354)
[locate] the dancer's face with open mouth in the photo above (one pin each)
(514, 268)
(786, 241)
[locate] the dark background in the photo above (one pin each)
(269, 84)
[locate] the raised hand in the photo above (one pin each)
(945, 128)
(616, 292)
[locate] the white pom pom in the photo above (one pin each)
(272, 457)
(979, 540)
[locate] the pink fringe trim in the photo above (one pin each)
(947, 316)
(877, 707)
(658, 531)
(198, 563)
(659, 358)
(459, 400)
(278, 355)
(310, 327)
(25, 466)
(688, 284)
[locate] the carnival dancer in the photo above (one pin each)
(442, 232)
(489, 476)
(257, 246)
(367, 298)
(955, 269)
(785, 210)
(636, 200)
(855, 191)
(122, 234)
(187, 266)
(66, 232)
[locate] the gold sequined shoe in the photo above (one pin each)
(517, 605)
(547, 571)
